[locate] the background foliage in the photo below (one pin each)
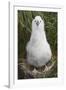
(24, 31)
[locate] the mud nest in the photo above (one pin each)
(25, 71)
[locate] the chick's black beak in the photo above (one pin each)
(37, 23)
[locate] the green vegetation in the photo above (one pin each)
(24, 31)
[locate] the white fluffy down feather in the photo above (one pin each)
(38, 49)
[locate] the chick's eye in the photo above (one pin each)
(35, 20)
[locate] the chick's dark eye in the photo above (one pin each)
(35, 20)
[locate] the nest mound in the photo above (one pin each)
(48, 71)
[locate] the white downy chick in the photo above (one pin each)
(38, 48)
